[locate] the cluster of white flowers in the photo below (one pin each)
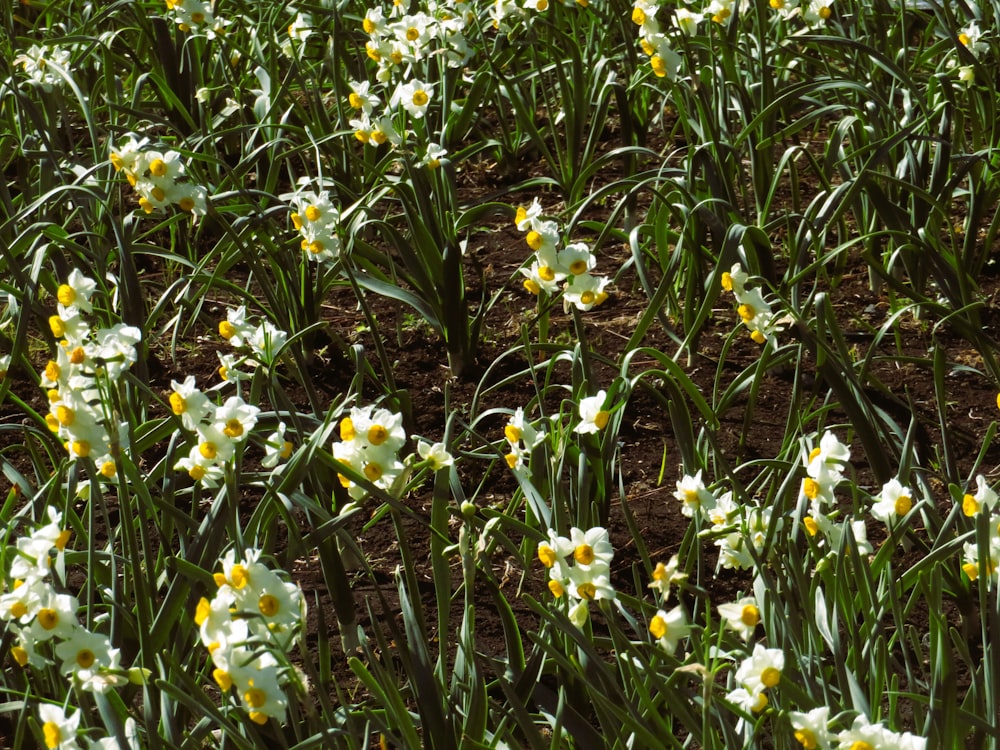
(401, 43)
(370, 440)
(197, 17)
(588, 576)
(401, 39)
(553, 268)
(44, 66)
(757, 673)
(975, 559)
(507, 13)
(159, 178)
(655, 41)
(753, 310)
(86, 363)
(248, 628)
(522, 438)
(216, 430)
(38, 615)
(264, 341)
(812, 730)
(824, 465)
(316, 219)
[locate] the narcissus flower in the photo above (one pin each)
(894, 502)
(762, 669)
(742, 616)
(811, 728)
(593, 416)
(668, 628)
(58, 728)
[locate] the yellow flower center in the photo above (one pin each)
(57, 326)
(20, 655)
(81, 448)
(745, 312)
(511, 459)
(601, 419)
(208, 450)
(197, 472)
(727, 281)
(355, 101)
(970, 506)
(812, 528)
(108, 469)
(659, 66)
(157, 167)
(234, 428)
(810, 488)
(286, 449)
(63, 539)
(556, 588)
(903, 505)
(77, 355)
(805, 737)
(373, 471)
(18, 610)
(368, 26)
(52, 735)
(412, 34)
(588, 297)
(545, 273)
(547, 555)
(255, 697)
(85, 658)
(65, 415)
(177, 403)
(186, 203)
(638, 16)
(770, 677)
(535, 241)
(584, 554)
(66, 295)
(312, 213)
(420, 98)
(346, 429)
(862, 745)
(532, 286)
(239, 576)
(202, 611)
(577, 267)
(750, 615)
(658, 626)
(268, 605)
(227, 330)
(222, 678)
(48, 618)
(825, 13)
(586, 591)
(52, 370)
(377, 434)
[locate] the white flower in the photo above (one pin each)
(415, 96)
(58, 729)
(669, 627)
(585, 291)
(762, 669)
(276, 447)
(741, 616)
(593, 416)
(811, 728)
(694, 496)
(436, 454)
(983, 501)
(893, 502)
